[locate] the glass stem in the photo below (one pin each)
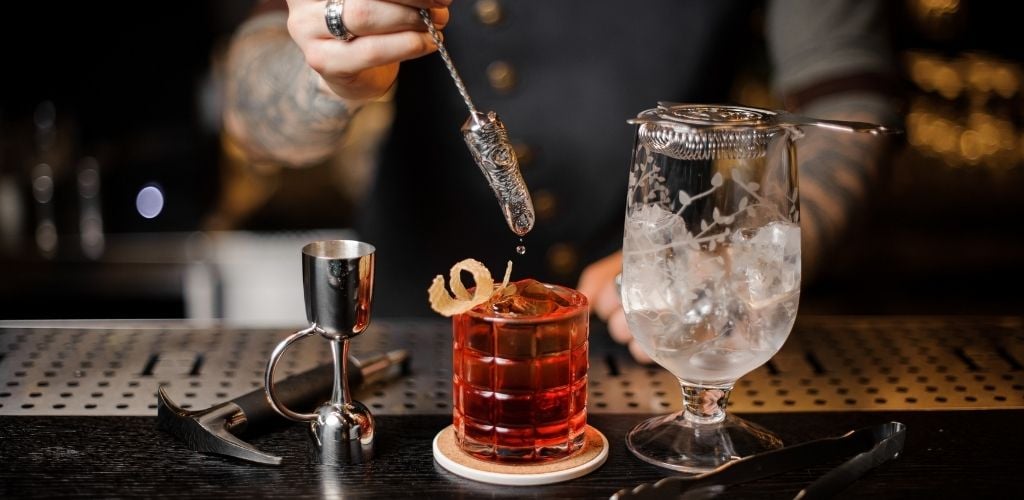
(340, 395)
(704, 404)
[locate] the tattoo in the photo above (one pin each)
(836, 172)
(275, 107)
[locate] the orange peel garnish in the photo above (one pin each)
(459, 300)
(508, 275)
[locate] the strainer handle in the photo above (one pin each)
(838, 125)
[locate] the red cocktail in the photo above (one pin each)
(520, 374)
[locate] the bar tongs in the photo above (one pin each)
(870, 447)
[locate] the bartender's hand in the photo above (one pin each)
(598, 283)
(387, 32)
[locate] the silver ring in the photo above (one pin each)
(332, 14)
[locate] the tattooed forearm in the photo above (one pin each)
(275, 106)
(836, 173)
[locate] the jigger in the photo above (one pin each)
(337, 279)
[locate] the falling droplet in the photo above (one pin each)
(521, 247)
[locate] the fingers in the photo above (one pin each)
(387, 32)
(423, 4)
(328, 57)
(363, 18)
(607, 300)
(372, 17)
(638, 353)
(598, 283)
(618, 330)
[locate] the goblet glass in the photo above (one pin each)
(711, 269)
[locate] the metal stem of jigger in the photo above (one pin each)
(337, 278)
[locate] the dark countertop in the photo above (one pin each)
(74, 398)
(967, 454)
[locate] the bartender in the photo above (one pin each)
(564, 76)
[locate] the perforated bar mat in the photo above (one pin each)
(828, 364)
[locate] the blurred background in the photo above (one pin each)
(119, 197)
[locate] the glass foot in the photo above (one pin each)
(680, 443)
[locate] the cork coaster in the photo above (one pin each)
(593, 453)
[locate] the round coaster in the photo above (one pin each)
(586, 460)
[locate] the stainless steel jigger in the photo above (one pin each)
(337, 277)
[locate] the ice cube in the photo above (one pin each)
(532, 298)
(519, 305)
(650, 227)
(539, 291)
(766, 263)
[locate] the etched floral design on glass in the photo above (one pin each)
(711, 272)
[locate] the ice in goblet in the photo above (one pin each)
(711, 265)
(711, 270)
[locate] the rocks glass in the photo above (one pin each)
(520, 374)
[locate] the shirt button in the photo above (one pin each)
(502, 76)
(562, 259)
(545, 204)
(488, 12)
